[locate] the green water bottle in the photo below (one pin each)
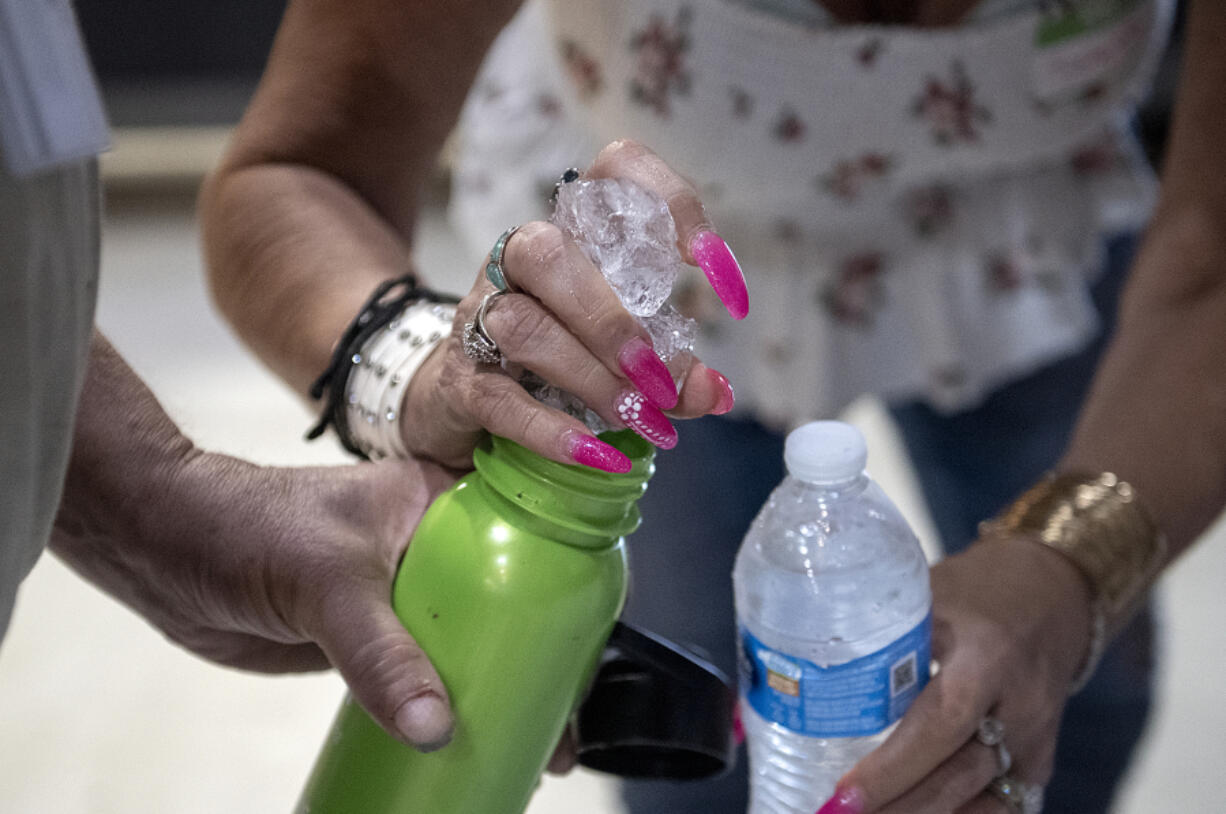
(511, 584)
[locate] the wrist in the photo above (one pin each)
(1098, 526)
(431, 427)
(1075, 610)
(373, 364)
(391, 364)
(125, 451)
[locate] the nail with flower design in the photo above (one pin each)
(633, 410)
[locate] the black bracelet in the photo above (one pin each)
(387, 301)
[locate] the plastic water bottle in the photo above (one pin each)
(834, 616)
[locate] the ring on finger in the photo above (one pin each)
(991, 733)
(1018, 797)
(1004, 760)
(477, 342)
(494, 270)
(1009, 792)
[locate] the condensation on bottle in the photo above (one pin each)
(834, 621)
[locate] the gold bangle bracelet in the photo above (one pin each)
(1096, 522)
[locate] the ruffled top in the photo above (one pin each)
(919, 212)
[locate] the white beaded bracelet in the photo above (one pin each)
(377, 383)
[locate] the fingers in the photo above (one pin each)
(985, 803)
(706, 392)
(504, 408)
(697, 240)
(386, 670)
(541, 261)
(955, 782)
(532, 337)
(561, 319)
(893, 780)
(941, 720)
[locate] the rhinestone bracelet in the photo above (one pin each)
(385, 304)
(378, 382)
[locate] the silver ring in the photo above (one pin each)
(991, 733)
(494, 272)
(478, 344)
(1009, 792)
(1004, 760)
(1017, 797)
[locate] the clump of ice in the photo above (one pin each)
(563, 400)
(672, 338)
(627, 233)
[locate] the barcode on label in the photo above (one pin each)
(902, 674)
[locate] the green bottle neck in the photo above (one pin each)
(573, 504)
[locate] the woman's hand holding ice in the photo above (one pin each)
(560, 319)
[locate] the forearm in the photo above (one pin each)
(314, 203)
(292, 254)
(1156, 414)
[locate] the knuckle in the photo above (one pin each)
(959, 705)
(492, 399)
(517, 324)
(529, 422)
(591, 379)
(536, 245)
(390, 666)
(609, 318)
(618, 150)
(682, 196)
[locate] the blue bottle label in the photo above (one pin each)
(849, 700)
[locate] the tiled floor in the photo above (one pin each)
(98, 715)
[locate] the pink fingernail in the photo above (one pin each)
(845, 801)
(597, 454)
(716, 260)
(639, 415)
(738, 727)
(727, 399)
(648, 373)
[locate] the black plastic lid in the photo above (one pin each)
(656, 710)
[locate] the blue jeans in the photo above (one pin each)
(970, 464)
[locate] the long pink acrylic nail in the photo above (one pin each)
(727, 399)
(639, 415)
(597, 454)
(716, 260)
(648, 373)
(845, 801)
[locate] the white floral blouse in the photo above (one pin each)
(919, 212)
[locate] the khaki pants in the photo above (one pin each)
(49, 240)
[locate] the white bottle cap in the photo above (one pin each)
(825, 452)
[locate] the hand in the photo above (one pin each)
(564, 322)
(278, 570)
(1011, 625)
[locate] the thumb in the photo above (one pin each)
(386, 670)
